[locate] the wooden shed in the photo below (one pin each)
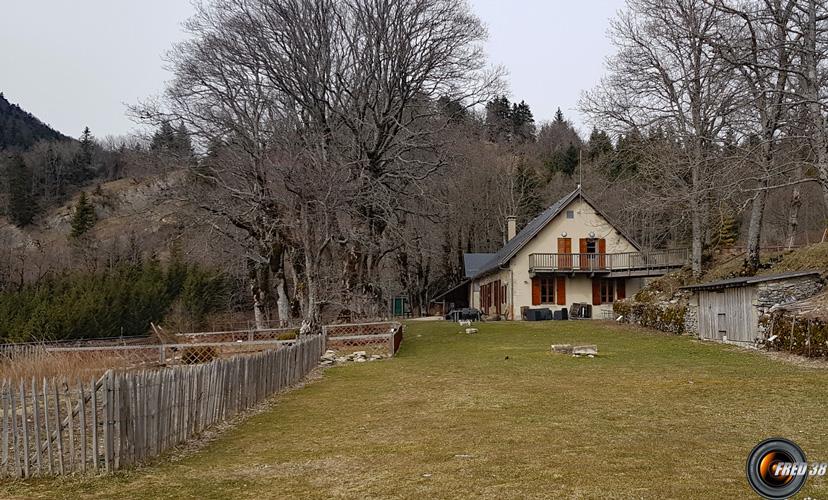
(729, 310)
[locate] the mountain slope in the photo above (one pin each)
(20, 129)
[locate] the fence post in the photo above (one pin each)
(161, 354)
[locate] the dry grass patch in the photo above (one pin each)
(653, 416)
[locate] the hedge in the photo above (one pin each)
(667, 318)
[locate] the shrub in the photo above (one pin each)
(286, 336)
(664, 317)
(797, 335)
(118, 302)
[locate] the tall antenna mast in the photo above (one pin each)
(580, 169)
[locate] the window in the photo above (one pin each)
(592, 245)
(547, 289)
(503, 295)
(607, 291)
(570, 214)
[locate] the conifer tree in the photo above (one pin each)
(163, 138)
(84, 217)
(183, 145)
(22, 205)
(498, 119)
(523, 123)
(527, 190)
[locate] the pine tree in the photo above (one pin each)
(183, 145)
(499, 119)
(87, 145)
(599, 145)
(84, 217)
(454, 110)
(22, 205)
(164, 139)
(564, 160)
(527, 189)
(84, 160)
(523, 123)
(559, 117)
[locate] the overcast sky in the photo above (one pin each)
(80, 63)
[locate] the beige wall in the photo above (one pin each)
(578, 287)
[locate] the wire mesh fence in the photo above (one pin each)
(383, 338)
(54, 426)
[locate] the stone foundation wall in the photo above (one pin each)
(691, 319)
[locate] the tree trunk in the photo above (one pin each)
(697, 225)
(282, 300)
(819, 141)
(793, 219)
(757, 213)
(259, 280)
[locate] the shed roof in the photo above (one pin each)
(748, 280)
(534, 227)
(473, 262)
(463, 283)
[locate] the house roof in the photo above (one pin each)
(748, 280)
(473, 262)
(535, 226)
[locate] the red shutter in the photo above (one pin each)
(560, 291)
(582, 249)
(536, 291)
(621, 289)
(602, 250)
(596, 292)
(565, 253)
(497, 303)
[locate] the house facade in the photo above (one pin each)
(571, 253)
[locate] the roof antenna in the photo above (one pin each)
(580, 170)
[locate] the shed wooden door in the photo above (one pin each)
(728, 313)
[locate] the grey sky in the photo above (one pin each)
(79, 63)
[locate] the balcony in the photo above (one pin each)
(632, 264)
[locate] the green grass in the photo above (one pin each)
(653, 416)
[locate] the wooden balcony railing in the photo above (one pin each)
(608, 262)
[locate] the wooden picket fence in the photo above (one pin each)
(55, 427)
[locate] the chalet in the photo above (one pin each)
(570, 253)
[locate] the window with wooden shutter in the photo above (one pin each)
(536, 291)
(561, 290)
(607, 291)
(621, 289)
(547, 286)
(596, 292)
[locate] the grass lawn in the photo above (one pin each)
(495, 415)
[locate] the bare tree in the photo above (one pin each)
(667, 74)
(325, 111)
(758, 41)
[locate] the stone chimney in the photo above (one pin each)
(511, 227)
